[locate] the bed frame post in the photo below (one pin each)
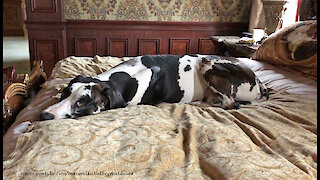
(46, 32)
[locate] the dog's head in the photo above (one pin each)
(84, 96)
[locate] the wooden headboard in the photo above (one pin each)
(52, 37)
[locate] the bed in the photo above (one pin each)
(273, 139)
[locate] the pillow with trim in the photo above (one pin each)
(294, 46)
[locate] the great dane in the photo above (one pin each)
(151, 79)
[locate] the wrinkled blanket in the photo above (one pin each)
(274, 139)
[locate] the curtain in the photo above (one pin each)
(257, 18)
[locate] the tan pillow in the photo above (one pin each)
(294, 46)
(72, 66)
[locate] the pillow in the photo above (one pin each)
(72, 66)
(294, 46)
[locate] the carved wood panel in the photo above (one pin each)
(122, 38)
(118, 47)
(45, 6)
(12, 18)
(86, 47)
(47, 50)
(149, 46)
(206, 46)
(45, 10)
(179, 46)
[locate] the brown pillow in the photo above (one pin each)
(294, 46)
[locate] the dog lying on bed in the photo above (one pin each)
(151, 79)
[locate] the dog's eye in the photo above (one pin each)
(79, 104)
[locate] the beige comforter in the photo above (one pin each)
(274, 139)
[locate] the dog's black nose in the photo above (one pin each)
(46, 116)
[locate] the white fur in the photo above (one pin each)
(126, 67)
(143, 78)
(61, 109)
(205, 68)
(244, 93)
(186, 78)
(222, 61)
(80, 87)
(226, 101)
(215, 60)
(192, 81)
(97, 111)
(21, 128)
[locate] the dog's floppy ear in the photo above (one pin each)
(98, 98)
(65, 93)
(67, 90)
(79, 76)
(115, 98)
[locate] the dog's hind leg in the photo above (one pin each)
(217, 99)
(263, 90)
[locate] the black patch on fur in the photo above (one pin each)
(192, 55)
(130, 62)
(305, 51)
(212, 57)
(115, 98)
(187, 68)
(154, 93)
(222, 75)
(125, 84)
(67, 91)
(169, 65)
(120, 89)
(188, 60)
(46, 116)
(68, 116)
(88, 107)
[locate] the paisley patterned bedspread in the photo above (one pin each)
(274, 139)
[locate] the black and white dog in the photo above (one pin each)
(151, 79)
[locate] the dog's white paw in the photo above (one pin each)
(21, 128)
(196, 103)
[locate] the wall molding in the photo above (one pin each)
(217, 27)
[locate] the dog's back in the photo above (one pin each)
(177, 79)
